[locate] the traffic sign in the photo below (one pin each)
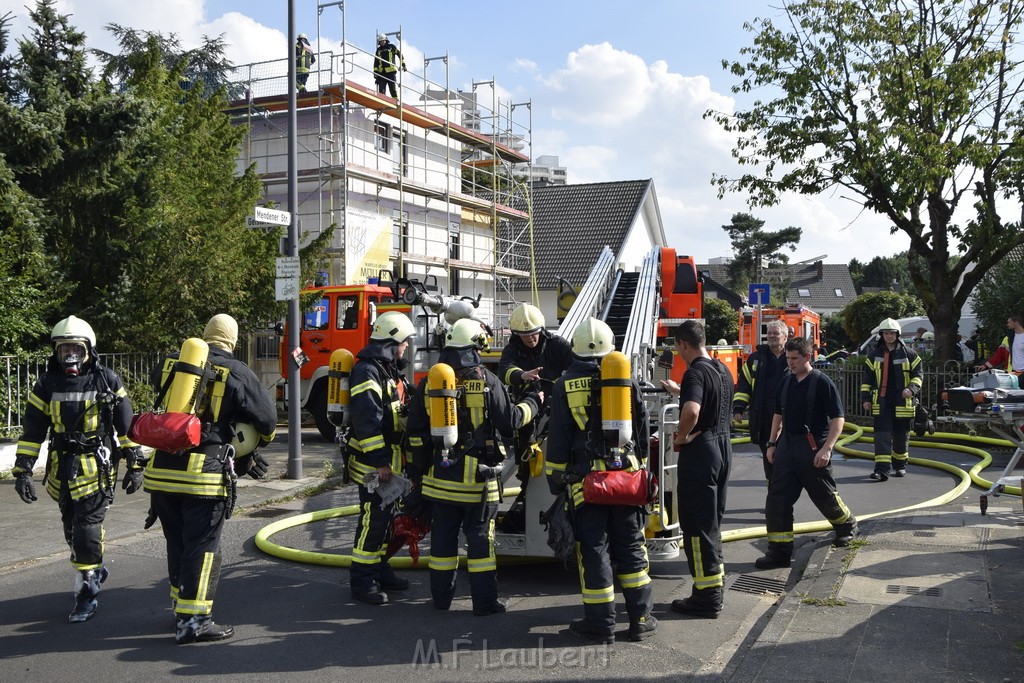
(272, 216)
(288, 266)
(286, 288)
(252, 223)
(759, 294)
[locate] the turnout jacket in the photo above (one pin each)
(82, 414)
(487, 419)
(575, 437)
(387, 60)
(753, 373)
(553, 353)
(906, 373)
(233, 395)
(378, 404)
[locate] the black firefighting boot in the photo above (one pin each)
(642, 628)
(363, 582)
(389, 581)
(200, 628)
(87, 587)
(483, 586)
(703, 604)
(598, 623)
(845, 533)
(779, 555)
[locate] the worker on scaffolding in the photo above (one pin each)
(304, 60)
(386, 63)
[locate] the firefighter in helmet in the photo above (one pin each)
(192, 493)
(603, 532)
(378, 404)
(531, 361)
(462, 482)
(85, 408)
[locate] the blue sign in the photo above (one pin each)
(759, 295)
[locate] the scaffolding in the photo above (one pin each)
(431, 185)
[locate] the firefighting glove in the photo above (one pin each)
(135, 463)
(258, 466)
(25, 487)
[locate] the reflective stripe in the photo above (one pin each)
(443, 563)
(634, 580)
(368, 385)
(780, 536)
(598, 596)
(845, 512)
(577, 395)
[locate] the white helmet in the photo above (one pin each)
(889, 324)
(302, 36)
(526, 319)
(928, 336)
(394, 326)
(466, 334)
(245, 439)
(381, 37)
(77, 332)
(593, 339)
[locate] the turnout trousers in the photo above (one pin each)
(703, 479)
(794, 472)
(891, 439)
(610, 536)
(192, 527)
(373, 530)
(83, 527)
(477, 523)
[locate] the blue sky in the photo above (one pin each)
(617, 89)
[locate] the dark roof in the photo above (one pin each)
(821, 280)
(720, 290)
(572, 223)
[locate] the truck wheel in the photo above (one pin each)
(317, 406)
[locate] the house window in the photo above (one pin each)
(803, 292)
(839, 292)
(383, 137)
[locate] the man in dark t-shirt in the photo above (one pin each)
(807, 423)
(705, 453)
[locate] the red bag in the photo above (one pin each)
(619, 487)
(170, 432)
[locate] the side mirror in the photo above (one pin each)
(372, 313)
(279, 329)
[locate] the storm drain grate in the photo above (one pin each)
(925, 534)
(895, 589)
(758, 585)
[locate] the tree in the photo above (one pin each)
(720, 321)
(915, 108)
(885, 272)
(834, 334)
(750, 244)
(865, 312)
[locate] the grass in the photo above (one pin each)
(830, 601)
(333, 480)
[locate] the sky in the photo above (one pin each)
(616, 93)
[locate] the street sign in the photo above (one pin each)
(286, 288)
(253, 224)
(759, 294)
(272, 216)
(287, 266)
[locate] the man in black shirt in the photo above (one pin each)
(758, 386)
(705, 453)
(807, 423)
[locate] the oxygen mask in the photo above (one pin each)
(72, 355)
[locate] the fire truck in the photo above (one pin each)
(800, 319)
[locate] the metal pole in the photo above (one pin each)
(294, 322)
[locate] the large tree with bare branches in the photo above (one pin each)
(912, 106)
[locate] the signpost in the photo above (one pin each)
(758, 295)
(286, 286)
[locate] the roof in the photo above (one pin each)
(822, 287)
(572, 223)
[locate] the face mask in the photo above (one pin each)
(402, 363)
(71, 358)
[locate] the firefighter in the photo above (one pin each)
(386, 62)
(533, 359)
(378, 404)
(304, 59)
(892, 378)
(462, 483)
(192, 493)
(85, 408)
(758, 384)
(705, 456)
(807, 423)
(604, 533)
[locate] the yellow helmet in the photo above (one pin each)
(394, 326)
(465, 334)
(889, 324)
(928, 336)
(526, 319)
(593, 339)
(73, 329)
(245, 439)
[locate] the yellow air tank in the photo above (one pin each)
(181, 396)
(444, 421)
(342, 361)
(616, 403)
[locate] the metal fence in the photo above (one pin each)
(849, 374)
(19, 376)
